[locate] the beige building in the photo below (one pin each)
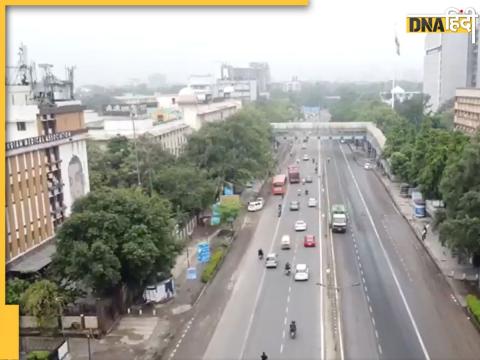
(467, 110)
(46, 171)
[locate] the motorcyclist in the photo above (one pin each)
(264, 356)
(306, 191)
(316, 169)
(287, 266)
(293, 327)
(260, 253)
(328, 160)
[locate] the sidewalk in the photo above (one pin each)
(455, 272)
(144, 335)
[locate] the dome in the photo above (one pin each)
(186, 91)
(187, 96)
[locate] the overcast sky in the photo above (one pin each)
(328, 40)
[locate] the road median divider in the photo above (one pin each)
(212, 266)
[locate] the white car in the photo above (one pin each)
(312, 202)
(301, 272)
(367, 166)
(285, 242)
(305, 157)
(255, 205)
(271, 261)
(304, 146)
(300, 225)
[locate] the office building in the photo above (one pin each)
(46, 163)
(467, 110)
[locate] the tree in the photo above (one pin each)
(229, 210)
(113, 237)
(15, 289)
(187, 187)
(43, 300)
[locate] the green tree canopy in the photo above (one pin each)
(43, 300)
(115, 236)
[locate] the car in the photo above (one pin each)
(255, 205)
(301, 272)
(271, 261)
(304, 146)
(342, 141)
(285, 242)
(309, 241)
(312, 202)
(305, 157)
(294, 205)
(367, 166)
(300, 225)
(308, 179)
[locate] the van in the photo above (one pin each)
(285, 242)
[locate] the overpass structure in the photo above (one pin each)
(367, 132)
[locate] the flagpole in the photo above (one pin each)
(397, 53)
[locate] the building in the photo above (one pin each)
(197, 113)
(243, 90)
(451, 61)
(467, 110)
(292, 86)
(46, 164)
(172, 135)
(168, 109)
(259, 72)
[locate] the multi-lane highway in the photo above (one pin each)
(372, 294)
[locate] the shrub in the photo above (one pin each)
(212, 265)
(38, 355)
(474, 305)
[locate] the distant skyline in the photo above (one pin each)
(331, 41)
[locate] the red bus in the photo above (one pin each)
(293, 174)
(279, 184)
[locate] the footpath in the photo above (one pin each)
(145, 333)
(461, 276)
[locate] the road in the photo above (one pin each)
(403, 308)
(392, 301)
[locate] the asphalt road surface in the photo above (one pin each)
(392, 301)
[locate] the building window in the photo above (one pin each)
(21, 126)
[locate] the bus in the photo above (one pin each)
(293, 174)
(279, 184)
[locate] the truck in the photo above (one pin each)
(338, 218)
(293, 174)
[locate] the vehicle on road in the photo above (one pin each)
(312, 202)
(305, 157)
(260, 254)
(304, 146)
(256, 204)
(300, 225)
(293, 174)
(285, 242)
(338, 218)
(367, 166)
(271, 261)
(279, 184)
(342, 141)
(308, 179)
(301, 272)
(309, 241)
(293, 330)
(294, 205)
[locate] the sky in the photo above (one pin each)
(335, 40)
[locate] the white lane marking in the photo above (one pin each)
(373, 321)
(368, 298)
(288, 298)
(285, 321)
(337, 300)
(260, 287)
(322, 340)
(376, 334)
(389, 263)
(370, 309)
(281, 348)
(379, 348)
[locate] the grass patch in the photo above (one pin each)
(38, 355)
(212, 265)
(474, 306)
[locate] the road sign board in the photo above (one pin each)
(203, 252)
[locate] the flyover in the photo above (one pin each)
(367, 132)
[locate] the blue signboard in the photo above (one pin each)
(191, 273)
(203, 252)
(311, 109)
(228, 189)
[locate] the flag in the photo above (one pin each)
(397, 45)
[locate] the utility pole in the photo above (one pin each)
(132, 116)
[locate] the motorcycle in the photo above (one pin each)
(293, 333)
(288, 272)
